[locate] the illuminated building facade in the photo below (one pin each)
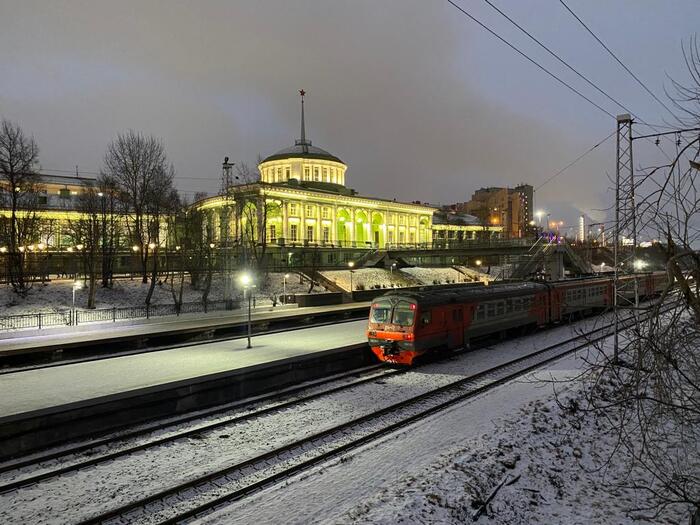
(302, 199)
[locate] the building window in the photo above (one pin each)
(273, 233)
(325, 175)
(326, 234)
(401, 219)
(309, 233)
(412, 237)
(401, 237)
(64, 193)
(292, 208)
(306, 173)
(293, 232)
(390, 237)
(279, 175)
(325, 213)
(309, 210)
(316, 174)
(286, 170)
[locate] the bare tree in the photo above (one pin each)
(162, 202)
(649, 392)
(110, 226)
(20, 187)
(87, 232)
(139, 167)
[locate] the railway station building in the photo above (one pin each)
(302, 199)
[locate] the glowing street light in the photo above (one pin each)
(135, 248)
(639, 264)
(284, 287)
(212, 245)
(351, 265)
(77, 285)
(152, 245)
(247, 282)
(478, 262)
(79, 247)
(3, 249)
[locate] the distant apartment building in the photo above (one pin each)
(510, 208)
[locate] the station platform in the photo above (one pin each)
(49, 405)
(52, 339)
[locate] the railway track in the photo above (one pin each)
(369, 374)
(202, 495)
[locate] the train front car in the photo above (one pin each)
(391, 329)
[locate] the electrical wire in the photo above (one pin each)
(575, 161)
(537, 64)
(618, 60)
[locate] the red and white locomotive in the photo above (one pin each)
(404, 325)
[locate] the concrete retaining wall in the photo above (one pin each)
(24, 433)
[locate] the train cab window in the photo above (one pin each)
(500, 307)
(381, 311)
(425, 318)
(480, 312)
(404, 312)
(490, 310)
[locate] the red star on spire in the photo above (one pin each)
(302, 92)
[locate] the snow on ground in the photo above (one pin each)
(368, 278)
(438, 470)
(436, 275)
(554, 455)
(57, 294)
(74, 496)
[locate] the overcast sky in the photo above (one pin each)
(420, 102)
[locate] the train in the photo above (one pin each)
(405, 325)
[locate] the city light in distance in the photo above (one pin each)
(246, 279)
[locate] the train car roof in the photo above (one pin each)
(460, 294)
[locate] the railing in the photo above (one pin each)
(76, 317)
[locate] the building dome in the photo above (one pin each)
(303, 162)
(303, 150)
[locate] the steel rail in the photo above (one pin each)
(345, 428)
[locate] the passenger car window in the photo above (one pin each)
(425, 318)
(380, 312)
(404, 313)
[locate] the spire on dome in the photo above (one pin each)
(302, 141)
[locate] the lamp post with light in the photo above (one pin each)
(77, 285)
(351, 265)
(247, 282)
(284, 287)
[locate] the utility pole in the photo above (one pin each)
(625, 221)
(226, 168)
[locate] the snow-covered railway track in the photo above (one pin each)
(84, 455)
(201, 495)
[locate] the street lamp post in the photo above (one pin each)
(77, 285)
(246, 281)
(284, 287)
(351, 265)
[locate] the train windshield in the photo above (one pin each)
(404, 313)
(381, 312)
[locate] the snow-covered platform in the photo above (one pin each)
(147, 332)
(48, 405)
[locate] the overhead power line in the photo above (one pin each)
(561, 60)
(521, 53)
(575, 161)
(618, 60)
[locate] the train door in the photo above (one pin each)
(455, 328)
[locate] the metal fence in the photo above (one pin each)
(75, 317)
